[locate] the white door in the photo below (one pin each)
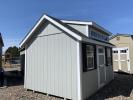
(101, 65)
(121, 61)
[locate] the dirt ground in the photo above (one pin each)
(121, 88)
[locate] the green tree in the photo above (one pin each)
(12, 52)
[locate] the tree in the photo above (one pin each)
(12, 52)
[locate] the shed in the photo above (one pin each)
(122, 52)
(69, 59)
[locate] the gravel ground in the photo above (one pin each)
(119, 89)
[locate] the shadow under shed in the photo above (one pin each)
(13, 78)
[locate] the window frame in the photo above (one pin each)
(84, 57)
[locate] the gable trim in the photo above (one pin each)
(54, 22)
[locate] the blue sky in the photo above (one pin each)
(17, 17)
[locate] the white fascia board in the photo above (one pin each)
(30, 33)
(54, 22)
(77, 22)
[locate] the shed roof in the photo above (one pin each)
(62, 25)
(118, 34)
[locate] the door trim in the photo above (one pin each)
(99, 84)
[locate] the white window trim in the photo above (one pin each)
(93, 67)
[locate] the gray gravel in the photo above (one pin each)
(121, 88)
(19, 93)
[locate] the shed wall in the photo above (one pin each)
(51, 64)
(80, 28)
(89, 83)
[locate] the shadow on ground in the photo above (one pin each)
(122, 85)
(13, 78)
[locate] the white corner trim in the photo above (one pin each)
(54, 22)
(79, 71)
(87, 30)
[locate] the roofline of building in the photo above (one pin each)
(89, 23)
(129, 35)
(54, 22)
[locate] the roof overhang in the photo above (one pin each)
(89, 23)
(107, 44)
(46, 17)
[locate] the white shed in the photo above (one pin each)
(69, 59)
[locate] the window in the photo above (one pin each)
(123, 51)
(99, 36)
(109, 56)
(115, 51)
(100, 50)
(88, 57)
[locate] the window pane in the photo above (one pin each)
(101, 59)
(89, 48)
(90, 62)
(90, 56)
(123, 51)
(109, 58)
(100, 50)
(108, 52)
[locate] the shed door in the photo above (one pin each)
(101, 65)
(121, 59)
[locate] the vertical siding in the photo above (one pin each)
(90, 83)
(80, 28)
(51, 65)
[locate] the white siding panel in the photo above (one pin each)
(50, 29)
(90, 83)
(51, 65)
(80, 28)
